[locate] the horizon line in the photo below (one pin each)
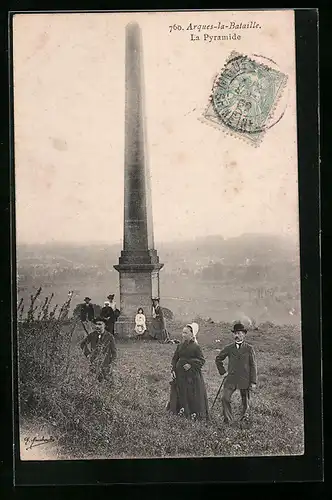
(160, 242)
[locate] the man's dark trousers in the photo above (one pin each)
(226, 402)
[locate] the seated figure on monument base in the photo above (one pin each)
(140, 323)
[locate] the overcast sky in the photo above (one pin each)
(69, 130)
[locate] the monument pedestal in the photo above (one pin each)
(139, 284)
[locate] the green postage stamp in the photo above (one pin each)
(245, 97)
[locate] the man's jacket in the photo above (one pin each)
(87, 312)
(242, 367)
(101, 347)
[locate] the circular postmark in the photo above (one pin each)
(246, 94)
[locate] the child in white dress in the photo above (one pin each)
(140, 322)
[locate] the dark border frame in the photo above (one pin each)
(308, 467)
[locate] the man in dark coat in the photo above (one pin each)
(87, 312)
(99, 346)
(242, 371)
(110, 313)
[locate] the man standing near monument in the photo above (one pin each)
(242, 372)
(87, 314)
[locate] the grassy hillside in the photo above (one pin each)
(93, 420)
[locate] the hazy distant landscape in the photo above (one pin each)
(210, 277)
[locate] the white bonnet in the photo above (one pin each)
(194, 327)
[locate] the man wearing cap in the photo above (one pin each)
(87, 313)
(242, 371)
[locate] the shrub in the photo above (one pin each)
(44, 338)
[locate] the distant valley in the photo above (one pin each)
(209, 276)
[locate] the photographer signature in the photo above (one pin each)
(35, 441)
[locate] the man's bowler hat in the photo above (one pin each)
(87, 298)
(238, 327)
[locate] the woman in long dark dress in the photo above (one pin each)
(188, 393)
(158, 329)
(110, 314)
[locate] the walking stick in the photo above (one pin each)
(215, 399)
(86, 331)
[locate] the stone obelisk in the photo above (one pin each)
(139, 263)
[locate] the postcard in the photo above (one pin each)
(157, 235)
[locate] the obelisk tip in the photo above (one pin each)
(133, 26)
